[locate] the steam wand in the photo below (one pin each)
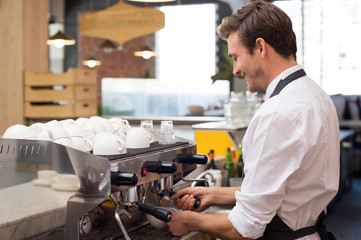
(117, 217)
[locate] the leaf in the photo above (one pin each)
(227, 65)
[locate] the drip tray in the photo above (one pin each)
(154, 147)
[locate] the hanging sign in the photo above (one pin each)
(121, 22)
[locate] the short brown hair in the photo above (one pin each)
(261, 19)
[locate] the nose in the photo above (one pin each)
(236, 72)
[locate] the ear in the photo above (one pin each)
(260, 46)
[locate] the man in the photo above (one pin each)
(291, 147)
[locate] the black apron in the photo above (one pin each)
(277, 229)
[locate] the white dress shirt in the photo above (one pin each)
(291, 154)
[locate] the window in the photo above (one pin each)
(326, 41)
(185, 63)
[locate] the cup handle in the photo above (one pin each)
(150, 137)
(50, 133)
(120, 134)
(121, 143)
(116, 126)
(125, 122)
(89, 133)
(89, 143)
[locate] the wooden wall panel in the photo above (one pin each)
(35, 30)
(23, 34)
(11, 64)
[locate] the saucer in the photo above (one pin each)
(39, 182)
(58, 187)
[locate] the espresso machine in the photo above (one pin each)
(117, 191)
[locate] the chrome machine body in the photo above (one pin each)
(115, 191)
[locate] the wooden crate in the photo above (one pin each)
(36, 94)
(66, 95)
(85, 108)
(72, 76)
(84, 92)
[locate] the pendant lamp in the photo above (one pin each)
(60, 40)
(108, 46)
(92, 62)
(151, 1)
(145, 53)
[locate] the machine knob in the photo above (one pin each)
(123, 179)
(160, 167)
(160, 213)
(191, 158)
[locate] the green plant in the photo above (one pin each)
(226, 69)
(226, 66)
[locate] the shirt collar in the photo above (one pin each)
(271, 87)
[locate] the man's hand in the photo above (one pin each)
(184, 199)
(215, 225)
(178, 226)
(209, 196)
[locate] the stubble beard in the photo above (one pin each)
(256, 80)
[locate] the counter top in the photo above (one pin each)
(177, 120)
(218, 125)
(27, 209)
(354, 124)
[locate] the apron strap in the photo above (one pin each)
(283, 83)
(278, 230)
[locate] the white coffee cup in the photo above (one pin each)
(109, 144)
(82, 144)
(81, 121)
(53, 123)
(95, 125)
(57, 132)
(67, 122)
(41, 130)
(121, 134)
(108, 125)
(46, 176)
(19, 131)
(65, 141)
(138, 137)
(66, 180)
(43, 135)
(100, 135)
(120, 125)
(38, 127)
(76, 131)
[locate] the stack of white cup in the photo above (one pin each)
(101, 135)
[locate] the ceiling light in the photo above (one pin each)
(60, 40)
(108, 46)
(92, 62)
(151, 1)
(145, 53)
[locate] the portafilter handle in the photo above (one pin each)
(158, 167)
(196, 204)
(123, 179)
(159, 213)
(192, 158)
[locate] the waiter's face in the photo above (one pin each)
(245, 64)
